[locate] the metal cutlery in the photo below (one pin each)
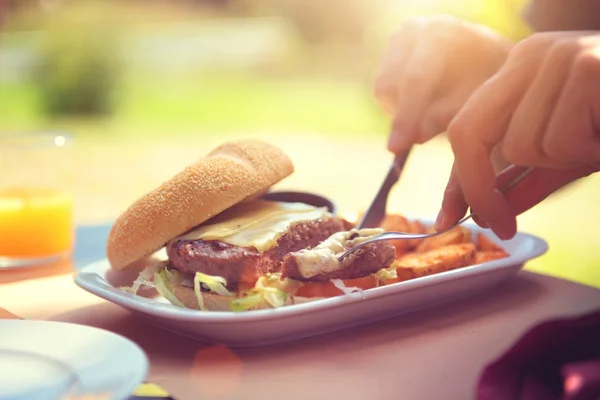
(406, 235)
(377, 210)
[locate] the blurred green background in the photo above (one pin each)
(144, 80)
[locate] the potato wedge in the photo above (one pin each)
(485, 256)
(398, 223)
(484, 243)
(441, 259)
(459, 234)
(394, 222)
(415, 226)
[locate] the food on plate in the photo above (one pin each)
(485, 244)
(249, 240)
(435, 260)
(456, 235)
(399, 223)
(486, 256)
(321, 264)
(206, 239)
(457, 248)
(227, 248)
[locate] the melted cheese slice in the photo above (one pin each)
(256, 224)
(323, 258)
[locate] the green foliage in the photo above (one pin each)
(78, 67)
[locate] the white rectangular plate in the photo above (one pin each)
(263, 327)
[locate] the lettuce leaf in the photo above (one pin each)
(164, 286)
(338, 283)
(215, 284)
(252, 300)
(145, 278)
(386, 273)
(270, 291)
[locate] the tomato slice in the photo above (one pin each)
(328, 289)
(384, 282)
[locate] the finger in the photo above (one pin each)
(540, 184)
(478, 127)
(454, 205)
(507, 176)
(455, 201)
(392, 66)
(571, 133)
(522, 144)
(436, 118)
(420, 80)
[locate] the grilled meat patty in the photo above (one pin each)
(363, 262)
(246, 264)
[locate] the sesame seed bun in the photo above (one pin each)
(231, 173)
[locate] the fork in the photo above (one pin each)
(407, 235)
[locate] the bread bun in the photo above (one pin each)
(230, 174)
(212, 301)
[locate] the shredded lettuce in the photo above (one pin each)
(198, 293)
(338, 283)
(164, 287)
(250, 301)
(273, 280)
(213, 283)
(387, 273)
(144, 278)
(275, 297)
(269, 291)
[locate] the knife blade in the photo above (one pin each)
(377, 210)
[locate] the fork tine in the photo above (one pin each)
(405, 235)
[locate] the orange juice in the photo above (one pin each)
(35, 222)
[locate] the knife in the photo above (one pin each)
(377, 209)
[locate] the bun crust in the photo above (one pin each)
(230, 174)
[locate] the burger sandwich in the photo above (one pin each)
(226, 248)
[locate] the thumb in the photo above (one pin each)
(400, 138)
(539, 184)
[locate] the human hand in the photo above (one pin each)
(541, 109)
(429, 70)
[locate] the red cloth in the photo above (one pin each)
(555, 360)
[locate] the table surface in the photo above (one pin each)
(432, 354)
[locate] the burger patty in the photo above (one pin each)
(368, 260)
(246, 264)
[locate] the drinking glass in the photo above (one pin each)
(36, 199)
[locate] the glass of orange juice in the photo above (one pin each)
(36, 199)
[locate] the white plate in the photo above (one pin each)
(101, 362)
(262, 327)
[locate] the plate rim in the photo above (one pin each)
(123, 391)
(87, 278)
